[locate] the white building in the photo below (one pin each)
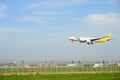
(71, 64)
(98, 65)
(118, 64)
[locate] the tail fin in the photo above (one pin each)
(109, 35)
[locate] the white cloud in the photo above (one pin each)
(109, 19)
(63, 3)
(36, 19)
(4, 32)
(33, 5)
(2, 8)
(57, 3)
(2, 14)
(48, 12)
(48, 9)
(7, 30)
(113, 2)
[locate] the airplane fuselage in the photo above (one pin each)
(90, 40)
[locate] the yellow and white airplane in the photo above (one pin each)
(91, 40)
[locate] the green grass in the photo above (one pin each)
(97, 76)
(61, 73)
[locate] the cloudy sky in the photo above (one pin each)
(39, 29)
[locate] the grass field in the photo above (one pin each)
(97, 76)
(61, 73)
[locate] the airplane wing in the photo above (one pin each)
(95, 39)
(90, 41)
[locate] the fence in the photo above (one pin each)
(57, 67)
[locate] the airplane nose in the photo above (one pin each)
(72, 38)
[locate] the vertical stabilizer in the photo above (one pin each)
(108, 35)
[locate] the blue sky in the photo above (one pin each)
(39, 29)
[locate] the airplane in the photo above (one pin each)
(91, 40)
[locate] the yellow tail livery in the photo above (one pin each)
(108, 35)
(105, 39)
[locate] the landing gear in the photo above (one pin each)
(90, 43)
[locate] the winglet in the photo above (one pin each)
(109, 35)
